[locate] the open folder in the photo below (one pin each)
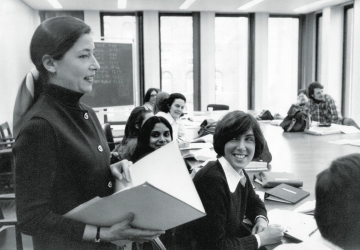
(161, 195)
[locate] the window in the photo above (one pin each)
(283, 49)
(176, 41)
(231, 61)
(347, 59)
(122, 28)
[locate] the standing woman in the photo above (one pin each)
(61, 154)
(172, 110)
(227, 193)
(150, 98)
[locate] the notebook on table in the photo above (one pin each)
(286, 194)
(323, 130)
(272, 179)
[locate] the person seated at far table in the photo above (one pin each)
(323, 109)
(172, 110)
(337, 207)
(227, 193)
(301, 101)
(127, 146)
(160, 97)
(150, 98)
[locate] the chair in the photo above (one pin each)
(109, 136)
(6, 157)
(7, 140)
(218, 106)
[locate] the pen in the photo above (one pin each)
(313, 232)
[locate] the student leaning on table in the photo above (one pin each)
(172, 109)
(227, 193)
(61, 153)
(337, 207)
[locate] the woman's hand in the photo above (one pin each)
(260, 225)
(271, 235)
(120, 170)
(124, 231)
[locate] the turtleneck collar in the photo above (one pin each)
(63, 95)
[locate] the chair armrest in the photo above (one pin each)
(8, 222)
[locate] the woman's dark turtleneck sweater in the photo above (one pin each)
(62, 160)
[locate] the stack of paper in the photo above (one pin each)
(323, 130)
(257, 166)
(347, 142)
(206, 138)
(161, 195)
(200, 155)
(307, 208)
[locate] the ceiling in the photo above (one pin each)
(219, 6)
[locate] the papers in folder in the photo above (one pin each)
(297, 225)
(161, 195)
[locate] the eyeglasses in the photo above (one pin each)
(153, 95)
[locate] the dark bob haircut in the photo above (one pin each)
(337, 208)
(54, 37)
(148, 94)
(312, 86)
(169, 101)
(233, 125)
(142, 147)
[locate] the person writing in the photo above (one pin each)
(61, 153)
(227, 193)
(172, 110)
(150, 98)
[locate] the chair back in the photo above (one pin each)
(109, 136)
(218, 106)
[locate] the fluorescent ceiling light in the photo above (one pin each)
(311, 6)
(55, 4)
(122, 4)
(186, 4)
(249, 4)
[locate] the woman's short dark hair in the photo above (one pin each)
(54, 37)
(337, 208)
(234, 124)
(134, 123)
(302, 91)
(312, 86)
(148, 94)
(142, 147)
(169, 101)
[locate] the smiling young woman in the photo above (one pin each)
(172, 110)
(227, 193)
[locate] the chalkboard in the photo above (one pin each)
(113, 84)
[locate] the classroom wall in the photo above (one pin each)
(17, 62)
(355, 93)
(17, 25)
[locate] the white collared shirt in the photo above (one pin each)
(232, 176)
(179, 131)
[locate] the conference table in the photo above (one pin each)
(305, 155)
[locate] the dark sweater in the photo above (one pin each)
(222, 227)
(62, 160)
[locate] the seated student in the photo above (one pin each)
(323, 108)
(150, 98)
(337, 207)
(227, 193)
(127, 146)
(172, 110)
(302, 98)
(160, 97)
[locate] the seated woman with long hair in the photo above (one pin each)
(227, 194)
(128, 144)
(150, 98)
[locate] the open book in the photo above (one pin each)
(161, 195)
(200, 155)
(205, 138)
